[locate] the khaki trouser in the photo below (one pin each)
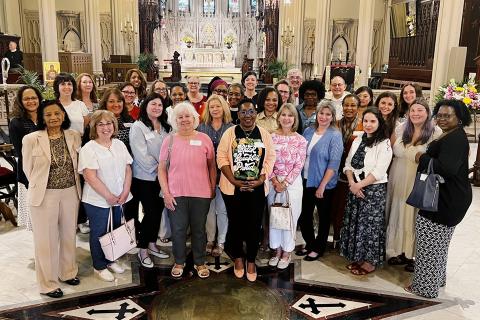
(54, 225)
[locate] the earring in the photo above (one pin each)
(459, 122)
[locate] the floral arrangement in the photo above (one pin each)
(187, 39)
(229, 40)
(465, 91)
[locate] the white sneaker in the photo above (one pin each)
(283, 263)
(115, 267)
(273, 261)
(159, 254)
(84, 228)
(105, 275)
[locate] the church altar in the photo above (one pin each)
(208, 58)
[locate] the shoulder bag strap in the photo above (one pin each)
(170, 145)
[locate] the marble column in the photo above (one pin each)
(322, 34)
(48, 30)
(291, 24)
(448, 36)
(364, 40)
(92, 27)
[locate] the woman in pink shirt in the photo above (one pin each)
(187, 175)
(291, 151)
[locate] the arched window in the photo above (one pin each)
(233, 6)
(184, 6)
(209, 6)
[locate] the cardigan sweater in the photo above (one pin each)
(325, 154)
(450, 160)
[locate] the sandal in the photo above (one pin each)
(360, 271)
(165, 240)
(202, 271)
(353, 265)
(177, 270)
(209, 248)
(217, 252)
(408, 289)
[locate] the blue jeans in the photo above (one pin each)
(98, 227)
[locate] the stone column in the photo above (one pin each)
(48, 29)
(118, 22)
(364, 39)
(448, 36)
(386, 36)
(92, 27)
(322, 34)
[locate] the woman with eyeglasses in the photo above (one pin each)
(411, 137)
(246, 157)
(128, 91)
(235, 94)
(434, 230)
(160, 87)
(196, 98)
(104, 163)
(219, 87)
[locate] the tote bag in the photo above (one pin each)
(281, 213)
(115, 243)
(425, 193)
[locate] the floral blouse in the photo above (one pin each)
(291, 153)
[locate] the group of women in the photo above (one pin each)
(213, 163)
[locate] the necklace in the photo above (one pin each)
(247, 133)
(64, 152)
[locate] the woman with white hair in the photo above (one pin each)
(187, 175)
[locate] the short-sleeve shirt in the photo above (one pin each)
(76, 111)
(110, 164)
(188, 174)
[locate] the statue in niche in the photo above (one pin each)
(176, 67)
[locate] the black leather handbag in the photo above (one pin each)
(425, 193)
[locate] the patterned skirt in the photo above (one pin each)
(363, 234)
(433, 240)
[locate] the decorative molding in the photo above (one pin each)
(348, 29)
(106, 35)
(31, 32)
(308, 48)
(68, 24)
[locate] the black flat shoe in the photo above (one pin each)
(73, 282)
(410, 267)
(302, 252)
(57, 293)
(308, 258)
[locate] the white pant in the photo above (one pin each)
(283, 238)
(217, 216)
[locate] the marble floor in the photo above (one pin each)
(460, 299)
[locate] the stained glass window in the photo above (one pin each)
(184, 5)
(233, 6)
(253, 5)
(209, 6)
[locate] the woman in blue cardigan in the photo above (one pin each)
(320, 174)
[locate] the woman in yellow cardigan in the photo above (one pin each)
(246, 157)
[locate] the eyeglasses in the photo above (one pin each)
(283, 92)
(131, 93)
(194, 83)
(104, 124)
(250, 112)
(232, 94)
(162, 90)
(218, 91)
(446, 116)
(30, 99)
(336, 84)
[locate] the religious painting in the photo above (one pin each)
(209, 6)
(50, 71)
(233, 6)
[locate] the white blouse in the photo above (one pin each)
(377, 160)
(110, 164)
(76, 111)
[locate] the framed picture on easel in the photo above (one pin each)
(50, 71)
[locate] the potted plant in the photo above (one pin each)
(145, 63)
(278, 69)
(228, 41)
(188, 41)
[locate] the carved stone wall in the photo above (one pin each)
(308, 45)
(69, 31)
(346, 29)
(377, 45)
(106, 35)
(31, 32)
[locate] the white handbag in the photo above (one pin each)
(115, 243)
(281, 213)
